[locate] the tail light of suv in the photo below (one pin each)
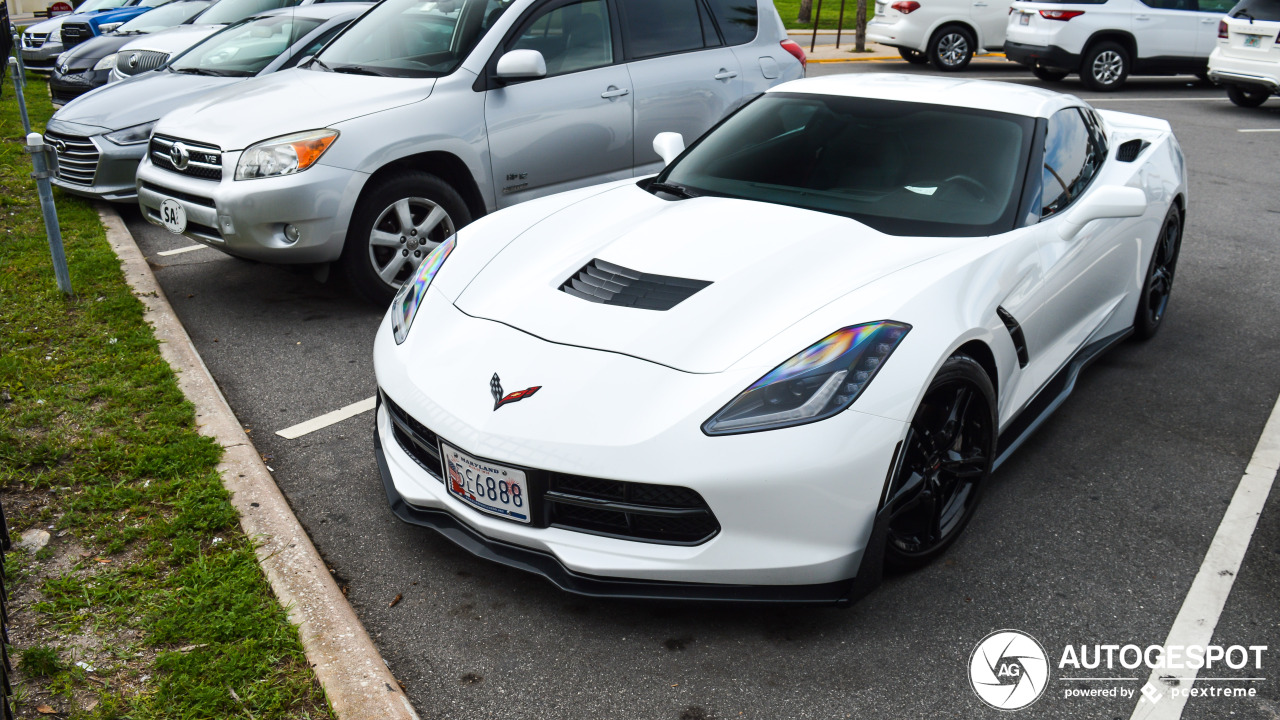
(796, 51)
(1062, 15)
(906, 7)
(1222, 28)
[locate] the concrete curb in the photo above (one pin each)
(354, 676)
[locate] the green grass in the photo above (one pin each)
(790, 9)
(148, 575)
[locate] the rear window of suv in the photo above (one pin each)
(1073, 2)
(1265, 10)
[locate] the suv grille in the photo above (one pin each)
(205, 161)
(77, 157)
(34, 40)
(74, 33)
(140, 61)
(663, 514)
(604, 282)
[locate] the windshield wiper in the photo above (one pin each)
(676, 189)
(203, 71)
(358, 70)
(315, 60)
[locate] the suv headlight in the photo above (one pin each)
(135, 135)
(55, 36)
(106, 63)
(109, 27)
(816, 383)
(284, 155)
(404, 308)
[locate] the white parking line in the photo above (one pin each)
(324, 421)
(1208, 595)
(1259, 130)
(181, 250)
(1164, 99)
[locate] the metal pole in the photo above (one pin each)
(22, 66)
(840, 24)
(40, 161)
(817, 14)
(22, 100)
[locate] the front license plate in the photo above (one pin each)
(1025, 19)
(173, 215)
(486, 486)
(1252, 40)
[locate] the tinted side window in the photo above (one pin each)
(737, 19)
(1216, 6)
(1073, 153)
(662, 27)
(570, 37)
(1170, 4)
(1266, 10)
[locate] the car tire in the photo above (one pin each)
(371, 263)
(1105, 67)
(1158, 284)
(1245, 97)
(945, 461)
(1047, 74)
(915, 57)
(951, 48)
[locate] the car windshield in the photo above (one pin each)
(902, 168)
(226, 12)
(412, 38)
(96, 5)
(244, 49)
(163, 17)
(1263, 10)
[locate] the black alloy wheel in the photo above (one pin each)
(915, 57)
(1247, 97)
(1159, 283)
(1105, 67)
(946, 459)
(951, 48)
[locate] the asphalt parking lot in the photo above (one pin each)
(1090, 534)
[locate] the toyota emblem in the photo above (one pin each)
(179, 156)
(133, 60)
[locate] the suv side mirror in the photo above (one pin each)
(1108, 201)
(668, 145)
(521, 65)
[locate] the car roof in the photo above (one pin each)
(319, 11)
(1007, 97)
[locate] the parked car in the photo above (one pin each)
(102, 136)
(87, 65)
(425, 115)
(42, 42)
(1247, 58)
(946, 33)
(1107, 41)
(826, 323)
(78, 29)
(155, 49)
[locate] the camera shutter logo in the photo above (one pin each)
(1008, 670)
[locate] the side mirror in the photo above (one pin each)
(521, 65)
(1108, 201)
(668, 145)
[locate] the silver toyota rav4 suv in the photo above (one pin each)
(422, 116)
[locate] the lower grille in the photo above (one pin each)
(77, 157)
(663, 514)
(141, 61)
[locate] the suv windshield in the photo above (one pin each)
(226, 12)
(412, 38)
(1264, 10)
(96, 5)
(244, 49)
(902, 168)
(163, 17)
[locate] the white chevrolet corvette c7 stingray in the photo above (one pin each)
(792, 357)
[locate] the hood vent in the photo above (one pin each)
(1129, 151)
(604, 282)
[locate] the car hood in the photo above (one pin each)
(86, 54)
(768, 267)
(117, 15)
(287, 102)
(137, 100)
(48, 26)
(172, 40)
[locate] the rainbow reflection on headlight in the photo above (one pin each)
(821, 353)
(405, 306)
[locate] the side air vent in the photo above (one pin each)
(604, 282)
(1129, 151)
(1015, 333)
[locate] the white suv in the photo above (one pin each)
(1109, 40)
(1247, 58)
(946, 33)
